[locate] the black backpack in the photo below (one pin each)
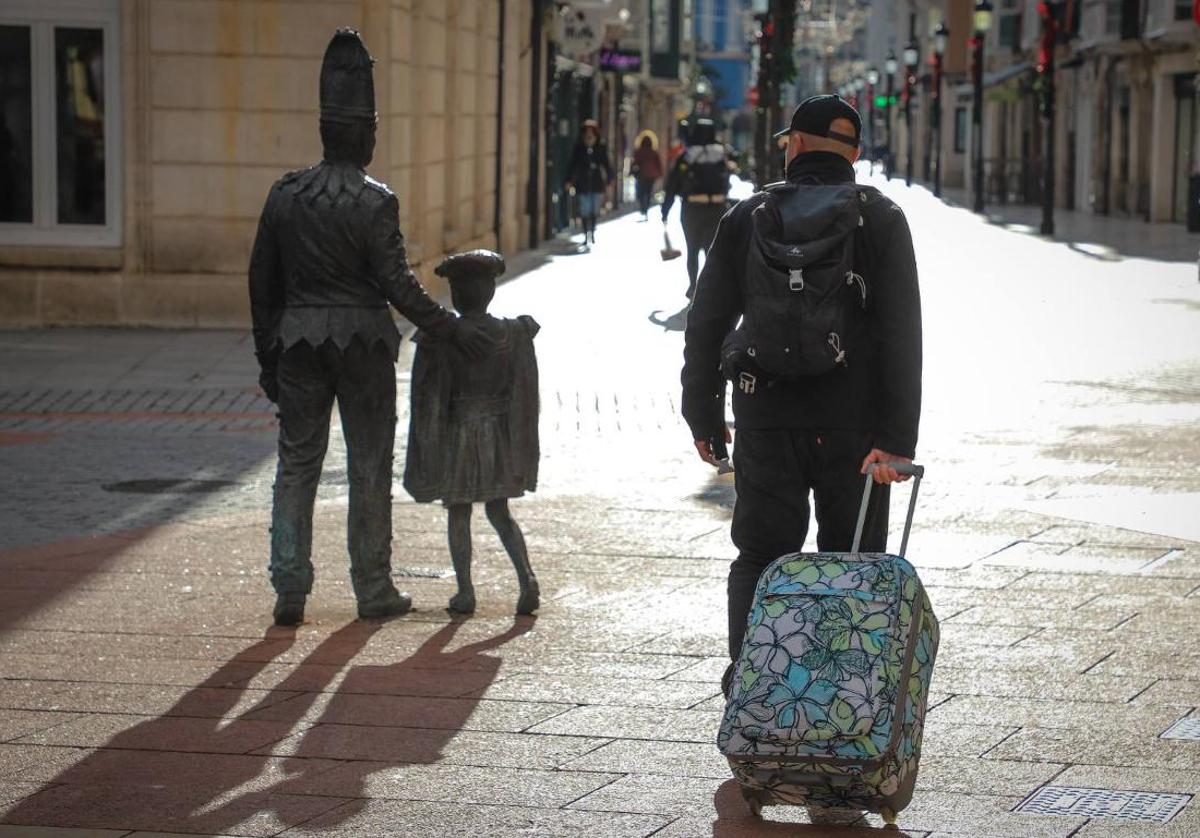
(804, 302)
(705, 170)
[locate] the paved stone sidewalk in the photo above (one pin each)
(142, 693)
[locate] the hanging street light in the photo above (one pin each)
(941, 38)
(889, 65)
(1051, 14)
(872, 81)
(982, 23)
(912, 55)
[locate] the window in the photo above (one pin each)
(60, 138)
(1183, 9)
(960, 130)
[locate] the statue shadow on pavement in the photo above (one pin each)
(284, 760)
(735, 821)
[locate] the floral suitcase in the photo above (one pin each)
(828, 697)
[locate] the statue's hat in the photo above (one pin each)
(470, 266)
(347, 80)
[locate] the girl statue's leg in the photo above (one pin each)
(514, 543)
(459, 526)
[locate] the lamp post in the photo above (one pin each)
(941, 36)
(982, 23)
(872, 81)
(1049, 12)
(889, 66)
(912, 54)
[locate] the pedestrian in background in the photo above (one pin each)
(589, 174)
(700, 177)
(647, 169)
(817, 433)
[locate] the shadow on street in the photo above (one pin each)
(145, 777)
(676, 322)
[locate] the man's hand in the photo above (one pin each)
(885, 474)
(469, 336)
(269, 382)
(704, 448)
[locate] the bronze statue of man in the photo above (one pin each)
(328, 260)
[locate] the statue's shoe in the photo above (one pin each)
(289, 609)
(530, 599)
(401, 604)
(462, 602)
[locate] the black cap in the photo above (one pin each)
(347, 80)
(815, 114)
(472, 266)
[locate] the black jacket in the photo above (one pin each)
(590, 169)
(328, 259)
(879, 392)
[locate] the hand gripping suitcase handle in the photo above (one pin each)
(912, 469)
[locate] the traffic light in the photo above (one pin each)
(885, 101)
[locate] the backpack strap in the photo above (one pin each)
(864, 265)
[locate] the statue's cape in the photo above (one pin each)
(473, 429)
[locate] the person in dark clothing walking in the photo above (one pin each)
(647, 169)
(700, 177)
(589, 174)
(814, 435)
(328, 259)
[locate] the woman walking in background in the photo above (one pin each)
(589, 175)
(647, 169)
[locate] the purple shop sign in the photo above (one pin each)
(620, 61)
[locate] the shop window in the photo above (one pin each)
(60, 139)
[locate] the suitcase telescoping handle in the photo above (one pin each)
(917, 473)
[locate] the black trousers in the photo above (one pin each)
(645, 193)
(363, 381)
(775, 470)
(699, 226)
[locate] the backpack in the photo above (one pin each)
(705, 171)
(804, 302)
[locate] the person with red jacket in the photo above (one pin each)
(647, 169)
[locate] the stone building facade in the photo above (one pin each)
(1127, 134)
(140, 137)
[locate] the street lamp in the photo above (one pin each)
(941, 37)
(872, 81)
(889, 65)
(1051, 16)
(982, 23)
(912, 54)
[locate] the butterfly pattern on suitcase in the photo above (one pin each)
(829, 694)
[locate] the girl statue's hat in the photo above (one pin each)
(472, 265)
(347, 80)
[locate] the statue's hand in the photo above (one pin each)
(470, 336)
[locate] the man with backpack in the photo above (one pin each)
(700, 177)
(826, 362)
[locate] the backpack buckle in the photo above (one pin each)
(747, 383)
(796, 279)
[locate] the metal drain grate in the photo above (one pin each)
(1104, 803)
(1188, 729)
